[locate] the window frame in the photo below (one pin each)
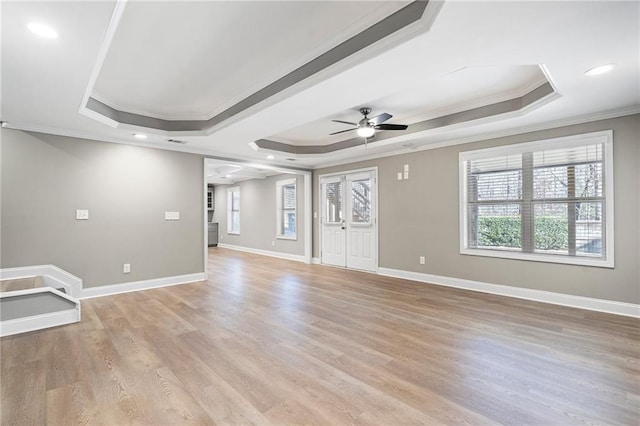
(603, 137)
(280, 184)
(230, 210)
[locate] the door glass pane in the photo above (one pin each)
(361, 201)
(333, 202)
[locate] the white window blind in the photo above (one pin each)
(286, 203)
(548, 200)
(233, 210)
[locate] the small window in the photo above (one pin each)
(286, 203)
(233, 210)
(548, 201)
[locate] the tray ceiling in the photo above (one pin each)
(194, 60)
(463, 72)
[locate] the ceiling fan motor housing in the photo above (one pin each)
(364, 122)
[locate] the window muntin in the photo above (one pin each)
(233, 210)
(543, 200)
(286, 204)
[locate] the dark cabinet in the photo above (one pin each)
(212, 234)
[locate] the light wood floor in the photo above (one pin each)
(269, 341)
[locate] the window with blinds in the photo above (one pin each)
(286, 201)
(233, 210)
(547, 200)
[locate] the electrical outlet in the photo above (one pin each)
(126, 268)
(422, 260)
(82, 214)
(171, 215)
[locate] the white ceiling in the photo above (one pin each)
(192, 60)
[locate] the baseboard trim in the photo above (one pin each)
(108, 290)
(52, 276)
(287, 256)
(39, 322)
(592, 304)
(316, 261)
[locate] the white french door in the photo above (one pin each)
(349, 230)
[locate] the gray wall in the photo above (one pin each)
(258, 215)
(419, 217)
(126, 189)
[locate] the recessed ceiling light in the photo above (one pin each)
(228, 176)
(42, 30)
(270, 157)
(600, 70)
(5, 124)
(139, 136)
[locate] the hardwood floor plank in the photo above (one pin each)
(270, 341)
(23, 394)
(71, 405)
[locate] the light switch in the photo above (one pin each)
(406, 167)
(406, 175)
(82, 214)
(399, 175)
(171, 215)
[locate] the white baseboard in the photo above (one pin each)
(107, 290)
(316, 261)
(52, 276)
(592, 304)
(287, 256)
(41, 321)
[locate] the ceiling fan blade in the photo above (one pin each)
(391, 126)
(342, 131)
(380, 118)
(345, 122)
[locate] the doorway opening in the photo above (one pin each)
(220, 176)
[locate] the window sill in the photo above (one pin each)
(232, 233)
(567, 260)
(283, 237)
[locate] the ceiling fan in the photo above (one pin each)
(367, 126)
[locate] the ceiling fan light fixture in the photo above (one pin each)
(366, 131)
